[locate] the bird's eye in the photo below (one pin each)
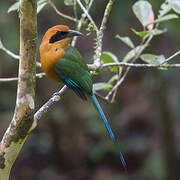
(58, 36)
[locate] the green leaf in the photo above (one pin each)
(131, 54)
(108, 57)
(142, 10)
(69, 2)
(141, 34)
(166, 18)
(176, 5)
(41, 4)
(152, 59)
(14, 7)
(145, 34)
(102, 86)
(126, 40)
(156, 32)
(165, 8)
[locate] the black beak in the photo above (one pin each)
(72, 33)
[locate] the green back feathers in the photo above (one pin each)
(73, 66)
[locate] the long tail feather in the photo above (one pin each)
(103, 117)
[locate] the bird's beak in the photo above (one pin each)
(72, 33)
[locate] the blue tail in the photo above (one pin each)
(103, 117)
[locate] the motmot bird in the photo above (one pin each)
(63, 63)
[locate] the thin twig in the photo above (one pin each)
(13, 55)
(100, 34)
(161, 65)
(90, 4)
(134, 65)
(88, 15)
(115, 92)
(169, 58)
(60, 13)
(75, 9)
(99, 95)
(56, 97)
(78, 28)
(8, 79)
(39, 75)
(128, 68)
(143, 47)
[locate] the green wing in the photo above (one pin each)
(73, 67)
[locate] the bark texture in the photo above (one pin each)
(22, 121)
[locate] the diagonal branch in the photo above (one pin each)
(168, 59)
(80, 22)
(55, 98)
(13, 55)
(143, 47)
(88, 15)
(60, 13)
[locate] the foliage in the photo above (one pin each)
(144, 13)
(63, 130)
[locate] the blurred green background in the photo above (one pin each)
(70, 141)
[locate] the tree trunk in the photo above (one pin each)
(21, 123)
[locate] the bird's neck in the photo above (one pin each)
(53, 52)
(50, 53)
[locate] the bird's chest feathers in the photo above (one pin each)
(49, 57)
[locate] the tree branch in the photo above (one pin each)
(10, 53)
(169, 58)
(55, 98)
(80, 22)
(88, 15)
(134, 65)
(100, 34)
(118, 83)
(39, 75)
(60, 13)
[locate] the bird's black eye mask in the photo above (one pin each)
(58, 36)
(64, 34)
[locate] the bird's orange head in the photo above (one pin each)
(54, 43)
(59, 35)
